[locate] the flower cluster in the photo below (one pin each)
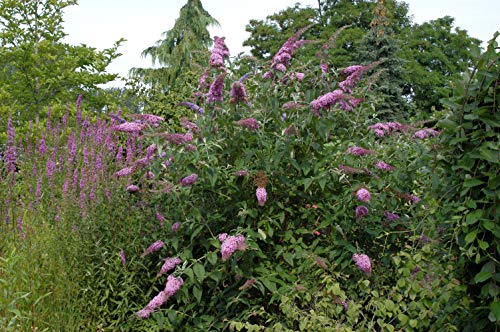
(361, 211)
(261, 194)
(230, 244)
(391, 216)
(363, 262)
(327, 100)
(154, 247)
(188, 180)
(169, 264)
(387, 128)
(426, 132)
(363, 195)
(282, 58)
(172, 286)
(216, 89)
(219, 52)
(358, 151)
(249, 123)
(192, 106)
(178, 139)
(238, 94)
(384, 167)
(147, 118)
(129, 127)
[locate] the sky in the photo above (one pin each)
(100, 23)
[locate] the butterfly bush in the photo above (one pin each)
(192, 106)
(188, 180)
(216, 89)
(154, 247)
(261, 194)
(425, 133)
(358, 151)
(219, 53)
(363, 263)
(361, 211)
(172, 286)
(249, 123)
(129, 127)
(363, 195)
(230, 244)
(384, 167)
(169, 264)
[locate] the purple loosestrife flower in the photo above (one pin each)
(249, 123)
(261, 194)
(383, 166)
(188, 180)
(358, 151)
(125, 172)
(363, 195)
(192, 106)
(10, 155)
(326, 101)
(38, 192)
(154, 247)
(216, 89)
(175, 227)
(230, 244)
(122, 257)
(219, 53)
(128, 127)
(426, 132)
(169, 264)
(361, 211)
(238, 94)
(391, 216)
(363, 262)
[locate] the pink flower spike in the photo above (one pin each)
(363, 195)
(132, 188)
(169, 264)
(383, 166)
(154, 247)
(188, 180)
(261, 194)
(173, 285)
(230, 244)
(363, 262)
(358, 151)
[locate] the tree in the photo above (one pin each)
(37, 68)
(182, 47)
(435, 56)
(380, 44)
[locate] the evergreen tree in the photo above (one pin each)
(380, 44)
(181, 48)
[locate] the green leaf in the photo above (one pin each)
(447, 123)
(495, 310)
(197, 292)
(482, 276)
(269, 284)
(469, 183)
(470, 236)
(473, 216)
(199, 271)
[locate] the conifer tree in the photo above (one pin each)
(181, 47)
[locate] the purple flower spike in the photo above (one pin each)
(391, 216)
(238, 94)
(261, 194)
(363, 195)
(122, 257)
(192, 106)
(230, 244)
(426, 132)
(361, 211)
(219, 53)
(383, 166)
(363, 262)
(129, 127)
(216, 89)
(358, 151)
(249, 123)
(176, 226)
(188, 180)
(169, 264)
(154, 247)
